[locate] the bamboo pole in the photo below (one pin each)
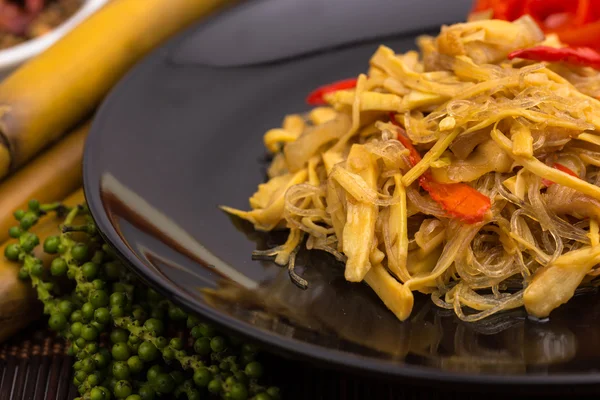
(50, 177)
(51, 93)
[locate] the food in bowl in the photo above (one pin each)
(22, 20)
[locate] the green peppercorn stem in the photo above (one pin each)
(143, 360)
(18, 305)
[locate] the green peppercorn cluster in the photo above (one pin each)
(92, 299)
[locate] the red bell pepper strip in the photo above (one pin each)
(576, 22)
(562, 168)
(316, 96)
(457, 199)
(572, 55)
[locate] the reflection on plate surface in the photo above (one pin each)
(173, 141)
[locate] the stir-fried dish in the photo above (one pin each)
(468, 171)
(22, 20)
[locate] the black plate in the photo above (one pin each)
(182, 135)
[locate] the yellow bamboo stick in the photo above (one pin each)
(48, 178)
(54, 91)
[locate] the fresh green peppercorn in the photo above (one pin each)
(14, 232)
(161, 342)
(217, 344)
(196, 332)
(135, 364)
(214, 386)
(120, 352)
(23, 273)
(77, 316)
(192, 321)
(57, 322)
(238, 391)
(224, 366)
(88, 365)
(80, 375)
(122, 389)
(134, 397)
(274, 392)
(99, 393)
(147, 393)
(140, 314)
(121, 287)
(164, 383)
(102, 358)
(89, 333)
(51, 244)
(77, 366)
(102, 315)
(254, 370)
(207, 330)
(177, 314)
(134, 347)
(117, 311)
(241, 377)
(66, 307)
(91, 348)
(154, 326)
(87, 310)
(36, 269)
(153, 372)
(34, 205)
(119, 335)
(214, 369)
(147, 351)
(28, 220)
(168, 354)
(28, 241)
(76, 328)
(79, 252)
(202, 377)
(120, 370)
(19, 214)
(134, 339)
(202, 346)
(176, 343)
(89, 270)
(99, 284)
(99, 298)
(262, 396)
(12, 251)
(58, 267)
(62, 249)
(118, 299)
(80, 342)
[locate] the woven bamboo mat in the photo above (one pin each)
(34, 366)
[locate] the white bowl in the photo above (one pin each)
(12, 57)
